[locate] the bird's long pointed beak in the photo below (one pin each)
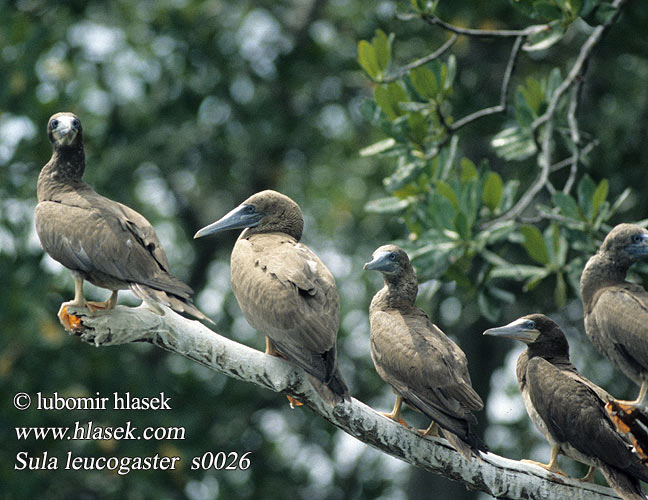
(516, 331)
(379, 262)
(238, 218)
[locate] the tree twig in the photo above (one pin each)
(530, 30)
(574, 133)
(500, 477)
(547, 118)
(420, 62)
(506, 80)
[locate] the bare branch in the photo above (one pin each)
(501, 107)
(544, 158)
(500, 477)
(420, 62)
(568, 161)
(574, 133)
(530, 30)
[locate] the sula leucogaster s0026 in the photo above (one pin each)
(99, 240)
(284, 290)
(568, 409)
(615, 310)
(426, 369)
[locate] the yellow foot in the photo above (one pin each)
(551, 468)
(432, 430)
(70, 322)
(97, 306)
(390, 416)
(589, 477)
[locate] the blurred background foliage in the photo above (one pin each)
(188, 107)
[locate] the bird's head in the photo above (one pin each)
(627, 242)
(265, 212)
(388, 259)
(64, 130)
(535, 330)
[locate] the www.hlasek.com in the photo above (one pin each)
(91, 431)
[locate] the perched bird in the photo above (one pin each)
(284, 290)
(568, 409)
(426, 369)
(99, 240)
(616, 311)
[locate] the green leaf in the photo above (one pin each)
(567, 205)
(388, 98)
(534, 244)
(519, 272)
(492, 193)
(553, 82)
(533, 94)
(514, 143)
(547, 9)
(451, 72)
(389, 205)
(382, 48)
(599, 197)
(367, 59)
(441, 211)
(418, 130)
(424, 82)
(378, 147)
(605, 12)
(468, 170)
(545, 39)
(586, 189)
(444, 189)
(462, 226)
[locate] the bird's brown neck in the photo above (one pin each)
(65, 169)
(602, 269)
(555, 353)
(399, 292)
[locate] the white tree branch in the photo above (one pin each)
(498, 476)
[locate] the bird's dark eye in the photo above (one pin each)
(530, 325)
(249, 209)
(636, 238)
(392, 256)
(75, 123)
(54, 123)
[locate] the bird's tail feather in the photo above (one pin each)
(468, 447)
(626, 486)
(153, 296)
(327, 393)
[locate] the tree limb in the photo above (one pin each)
(495, 475)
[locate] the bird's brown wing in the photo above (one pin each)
(99, 237)
(620, 316)
(574, 414)
(422, 364)
(288, 294)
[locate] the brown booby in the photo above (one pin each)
(568, 409)
(615, 310)
(284, 290)
(99, 240)
(426, 369)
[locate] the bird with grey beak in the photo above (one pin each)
(616, 310)
(284, 290)
(426, 370)
(568, 409)
(98, 239)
